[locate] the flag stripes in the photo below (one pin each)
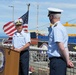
(9, 28)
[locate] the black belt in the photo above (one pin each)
(55, 58)
(25, 50)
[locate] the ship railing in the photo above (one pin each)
(39, 62)
(7, 42)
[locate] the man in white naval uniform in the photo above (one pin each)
(21, 43)
(58, 44)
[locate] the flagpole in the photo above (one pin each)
(28, 5)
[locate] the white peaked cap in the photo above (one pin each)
(55, 10)
(19, 21)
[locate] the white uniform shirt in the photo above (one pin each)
(20, 39)
(57, 33)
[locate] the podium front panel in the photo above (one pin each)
(11, 62)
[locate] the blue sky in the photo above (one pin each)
(20, 7)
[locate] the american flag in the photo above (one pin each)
(9, 28)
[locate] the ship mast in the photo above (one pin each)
(12, 13)
(37, 18)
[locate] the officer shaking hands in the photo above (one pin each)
(58, 44)
(21, 43)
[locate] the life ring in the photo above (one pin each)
(2, 60)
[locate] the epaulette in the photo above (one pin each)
(55, 25)
(26, 31)
(51, 25)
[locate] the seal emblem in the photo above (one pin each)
(2, 60)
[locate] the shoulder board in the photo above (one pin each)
(26, 31)
(55, 25)
(49, 26)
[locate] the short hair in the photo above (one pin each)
(57, 16)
